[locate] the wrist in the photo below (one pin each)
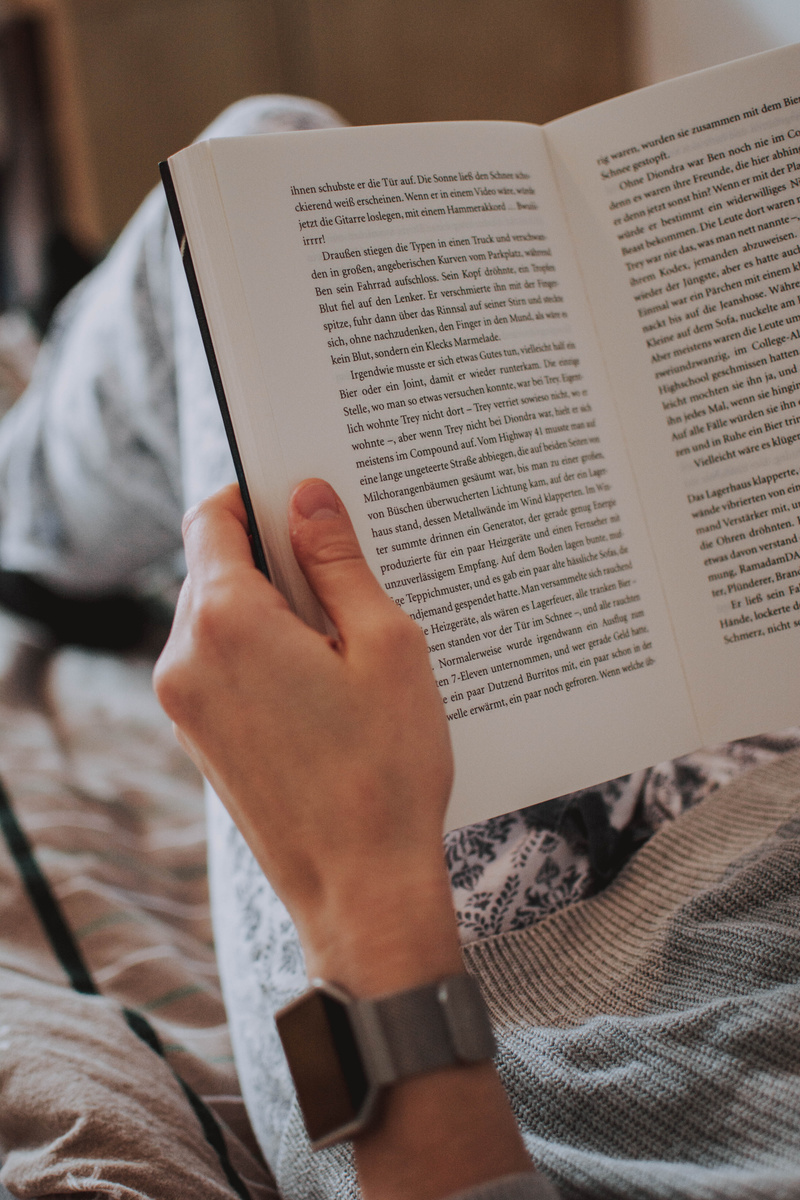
(384, 939)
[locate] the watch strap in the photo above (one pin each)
(423, 1029)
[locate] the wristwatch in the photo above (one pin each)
(342, 1051)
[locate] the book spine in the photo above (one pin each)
(205, 333)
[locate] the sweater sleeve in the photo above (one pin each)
(512, 1187)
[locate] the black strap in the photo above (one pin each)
(43, 900)
(69, 956)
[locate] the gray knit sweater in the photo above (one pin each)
(650, 1037)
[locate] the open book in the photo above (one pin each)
(552, 372)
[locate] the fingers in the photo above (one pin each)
(325, 545)
(216, 539)
(215, 534)
(223, 599)
(330, 557)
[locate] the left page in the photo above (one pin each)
(398, 310)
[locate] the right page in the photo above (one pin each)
(683, 204)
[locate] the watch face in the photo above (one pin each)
(326, 1066)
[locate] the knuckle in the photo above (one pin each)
(396, 636)
(201, 515)
(411, 639)
(205, 636)
(339, 550)
(170, 687)
(214, 623)
(189, 518)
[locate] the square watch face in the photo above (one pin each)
(332, 1087)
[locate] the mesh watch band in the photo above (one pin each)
(423, 1029)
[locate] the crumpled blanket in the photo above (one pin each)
(113, 813)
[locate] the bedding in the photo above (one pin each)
(111, 813)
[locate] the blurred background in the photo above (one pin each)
(94, 92)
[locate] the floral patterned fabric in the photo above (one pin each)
(514, 870)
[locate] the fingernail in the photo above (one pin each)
(316, 501)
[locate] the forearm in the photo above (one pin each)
(436, 1133)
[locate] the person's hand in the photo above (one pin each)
(334, 760)
(332, 757)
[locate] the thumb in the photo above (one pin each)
(328, 553)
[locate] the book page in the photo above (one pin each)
(683, 201)
(424, 345)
